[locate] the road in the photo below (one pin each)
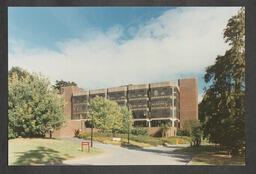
(133, 156)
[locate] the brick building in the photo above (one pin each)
(151, 104)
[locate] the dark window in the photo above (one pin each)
(137, 93)
(161, 91)
(161, 102)
(161, 113)
(138, 103)
(80, 99)
(139, 114)
(157, 123)
(140, 124)
(175, 102)
(83, 116)
(75, 117)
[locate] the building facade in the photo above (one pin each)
(151, 104)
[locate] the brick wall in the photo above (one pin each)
(70, 125)
(188, 100)
(68, 130)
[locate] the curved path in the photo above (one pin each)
(133, 156)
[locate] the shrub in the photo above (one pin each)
(140, 131)
(182, 132)
(193, 127)
(164, 128)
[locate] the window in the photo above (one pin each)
(155, 93)
(175, 114)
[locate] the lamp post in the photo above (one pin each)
(128, 132)
(92, 128)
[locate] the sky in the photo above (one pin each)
(102, 47)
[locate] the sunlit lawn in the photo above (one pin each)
(35, 151)
(138, 141)
(209, 155)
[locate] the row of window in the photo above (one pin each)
(165, 102)
(140, 93)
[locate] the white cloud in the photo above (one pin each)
(180, 41)
(200, 97)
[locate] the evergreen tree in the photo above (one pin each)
(61, 83)
(223, 105)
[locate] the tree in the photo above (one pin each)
(33, 106)
(194, 129)
(127, 120)
(62, 83)
(18, 71)
(223, 105)
(108, 116)
(164, 128)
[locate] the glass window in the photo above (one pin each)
(175, 113)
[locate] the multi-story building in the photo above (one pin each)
(151, 104)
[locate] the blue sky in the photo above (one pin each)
(100, 47)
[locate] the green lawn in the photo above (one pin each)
(35, 151)
(138, 141)
(210, 155)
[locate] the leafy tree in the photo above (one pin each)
(62, 83)
(223, 105)
(18, 71)
(164, 128)
(33, 106)
(127, 120)
(108, 116)
(194, 130)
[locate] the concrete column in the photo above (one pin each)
(149, 123)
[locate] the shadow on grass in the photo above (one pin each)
(211, 155)
(41, 155)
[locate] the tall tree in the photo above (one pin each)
(223, 105)
(108, 116)
(61, 83)
(18, 71)
(33, 106)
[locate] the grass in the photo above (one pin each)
(210, 155)
(37, 151)
(137, 141)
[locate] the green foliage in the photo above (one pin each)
(223, 106)
(127, 120)
(33, 106)
(194, 130)
(18, 71)
(140, 131)
(182, 133)
(164, 128)
(62, 83)
(108, 116)
(104, 137)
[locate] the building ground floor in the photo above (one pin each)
(153, 126)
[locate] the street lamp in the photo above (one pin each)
(92, 128)
(128, 132)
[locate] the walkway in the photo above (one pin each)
(133, 156)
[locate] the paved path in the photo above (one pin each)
(133, 156)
